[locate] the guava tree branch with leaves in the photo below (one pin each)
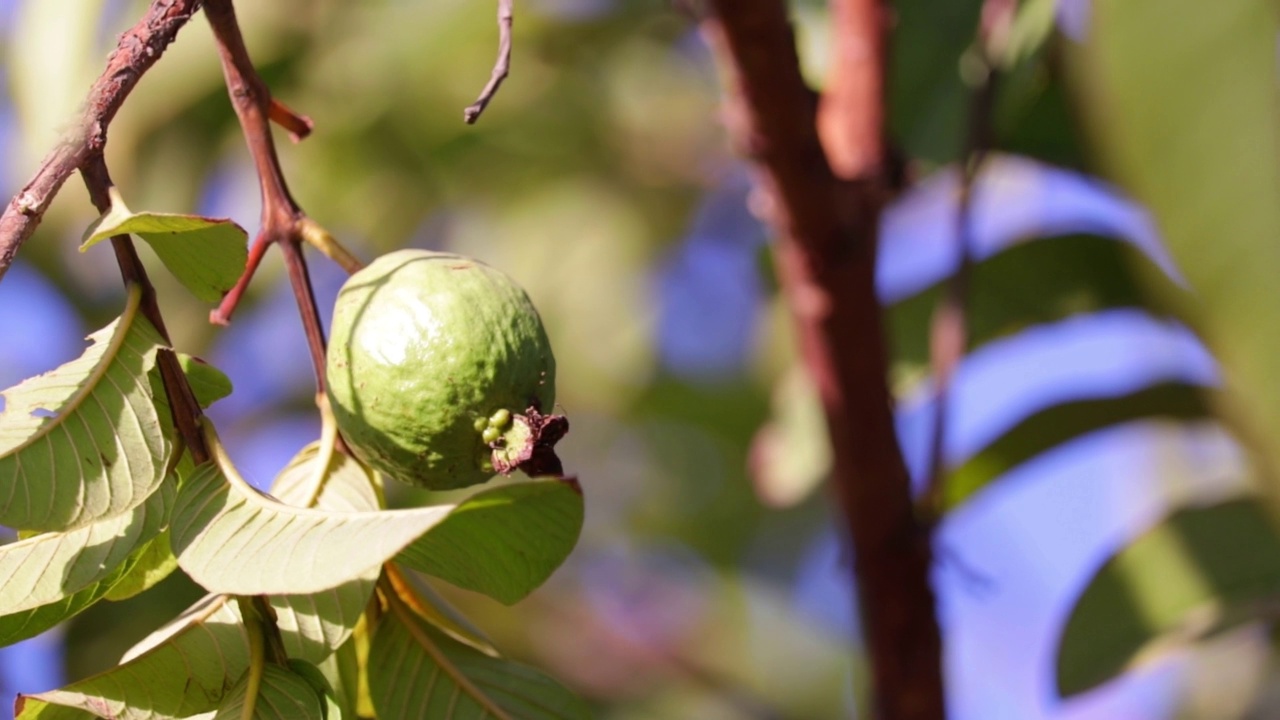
(116, 478)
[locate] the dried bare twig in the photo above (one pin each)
(501, 67)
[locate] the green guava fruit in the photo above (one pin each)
(439, 371)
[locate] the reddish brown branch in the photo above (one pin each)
(501, 67)
(283, 222)
(136, 51)
(826, 261)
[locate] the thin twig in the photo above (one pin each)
(136, 51)
(825, 204)
(949, 327)
(501, 67)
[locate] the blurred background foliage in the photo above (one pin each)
(710, 581)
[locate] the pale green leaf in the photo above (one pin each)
(207, 255)
(417, 672)
(283, 695)
(314, 625)
(49, 567)
(154, 563)
(29, 623)
(230, 538)
(208, 383)
(503, 542)
(1201, 571)
(180, 670)
(85, 441)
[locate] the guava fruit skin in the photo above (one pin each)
(423, 345)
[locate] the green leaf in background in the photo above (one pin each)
(1200, 571)
(183, 669)
(341, 672)
(1030, 283)
(207, 255)
(85, 441)
(1060, 423)
(432, 607)
(418, 672)
(1180, 99)
(313, 625)
(927, 99)
(49, 567)
(283, 695)
(208, 383)
(503, 542)
(791, 454)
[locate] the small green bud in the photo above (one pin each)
(500, 418)
(490, 434)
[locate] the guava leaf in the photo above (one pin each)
(29, 623)
(503, 542)
(1060, 423)
(330, 705)
(49, 567)
(183, 669)
(207, 255)
(313, 625)
(283, 695)
(432, 607)
(418, 672)
(154, 563)
(1201, 154)
(342, 672)
(219, 525)
(85, 441)
(1201, 571)
(208, 383)
(518, 532)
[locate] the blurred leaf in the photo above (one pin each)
(313, 625)
(1061, 423)
(416, 671)
(49, 567)
(283, 695)
(154, 563)
(207, 255)
(791, 455)
(1028, 284)
(331, 705)
(1032, 27)
(503, 542)
(1197, 573)
(1180, 98)
(927, 98)
(208, 383)
(85, 441)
